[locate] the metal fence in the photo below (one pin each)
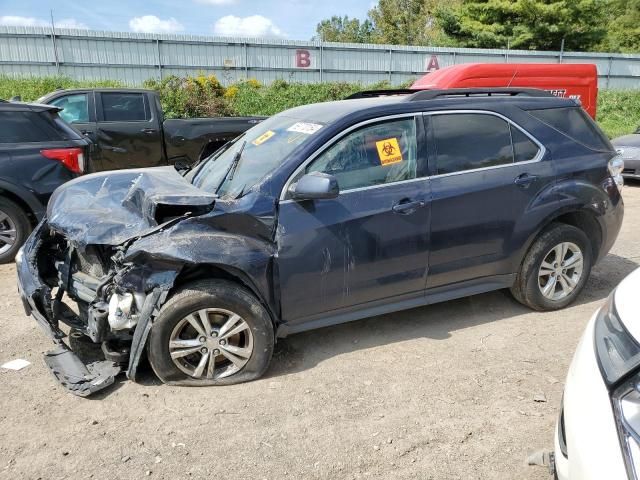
(133, 58)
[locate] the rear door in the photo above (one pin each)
(370, 244)
(129, 131)
(486, 174)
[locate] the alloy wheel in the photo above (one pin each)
(7, 232)
(211, 343)
(560, 271)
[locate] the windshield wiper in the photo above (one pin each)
(232, 168)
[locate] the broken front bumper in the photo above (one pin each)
(79, 378)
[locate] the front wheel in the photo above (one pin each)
(211, 332)
(555, 270)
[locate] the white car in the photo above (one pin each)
(598, 431)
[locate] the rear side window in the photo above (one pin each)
(470, 141)
(30, 127)
(125, 107)
(524, 149)
(575, 124)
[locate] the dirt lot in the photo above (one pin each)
(445, 392)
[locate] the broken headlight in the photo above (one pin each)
(619, 357)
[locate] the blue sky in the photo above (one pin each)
(292, 19)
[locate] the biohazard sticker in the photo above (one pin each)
(304, 127)
(263, 138)
(389, 151)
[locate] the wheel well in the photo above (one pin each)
(21, 203)
(207, 271)
(588, 224)
(211, 147)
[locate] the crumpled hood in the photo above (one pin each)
(111, 207)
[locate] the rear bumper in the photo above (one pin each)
(592, 443)
(611, 218)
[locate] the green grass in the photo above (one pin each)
(618, 110)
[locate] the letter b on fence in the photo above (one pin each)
(303, 58)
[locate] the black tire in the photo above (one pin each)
(18, 217)
(526, 288)
(217, 294)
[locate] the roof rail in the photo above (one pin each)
(380, 93)
(477, 92)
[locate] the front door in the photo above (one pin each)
(371, 243)
(129, 131)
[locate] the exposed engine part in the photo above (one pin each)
(97, 325)
(116, 351)
(124, 310)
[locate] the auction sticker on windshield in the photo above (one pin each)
(263, 138)
(304, 127)
(389, 151)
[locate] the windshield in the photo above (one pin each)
(265, 146)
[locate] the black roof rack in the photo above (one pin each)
(419, 95)
(380, 93)
(477, 92)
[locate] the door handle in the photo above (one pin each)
(408, 207)
(148, 131)
(525, 180)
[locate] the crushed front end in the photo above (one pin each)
(95, 294)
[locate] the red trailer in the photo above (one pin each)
(578, 81)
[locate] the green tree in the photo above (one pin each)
(396, 22)
(344, 29)
(526, 24)
(623, 33)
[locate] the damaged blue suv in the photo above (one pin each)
(322, 214)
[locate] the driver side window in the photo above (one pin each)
(75, 107)
(373, 155)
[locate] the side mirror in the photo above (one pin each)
(315, 186)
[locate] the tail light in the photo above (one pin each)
(616, 166)
(72, 158)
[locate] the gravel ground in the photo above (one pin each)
(445, 391)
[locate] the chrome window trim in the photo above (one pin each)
(540, 155)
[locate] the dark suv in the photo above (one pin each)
(322, 214)
(38, 153)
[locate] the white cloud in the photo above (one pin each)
(253, 26)
(216, 2)
(17, 21)
(70, 23)
(153, 24)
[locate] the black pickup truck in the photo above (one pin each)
(128, 129)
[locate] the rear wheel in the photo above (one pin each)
(14, 229)
(555, 270)
(211, 332)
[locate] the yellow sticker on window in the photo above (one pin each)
(389, 151)
(263, 138)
